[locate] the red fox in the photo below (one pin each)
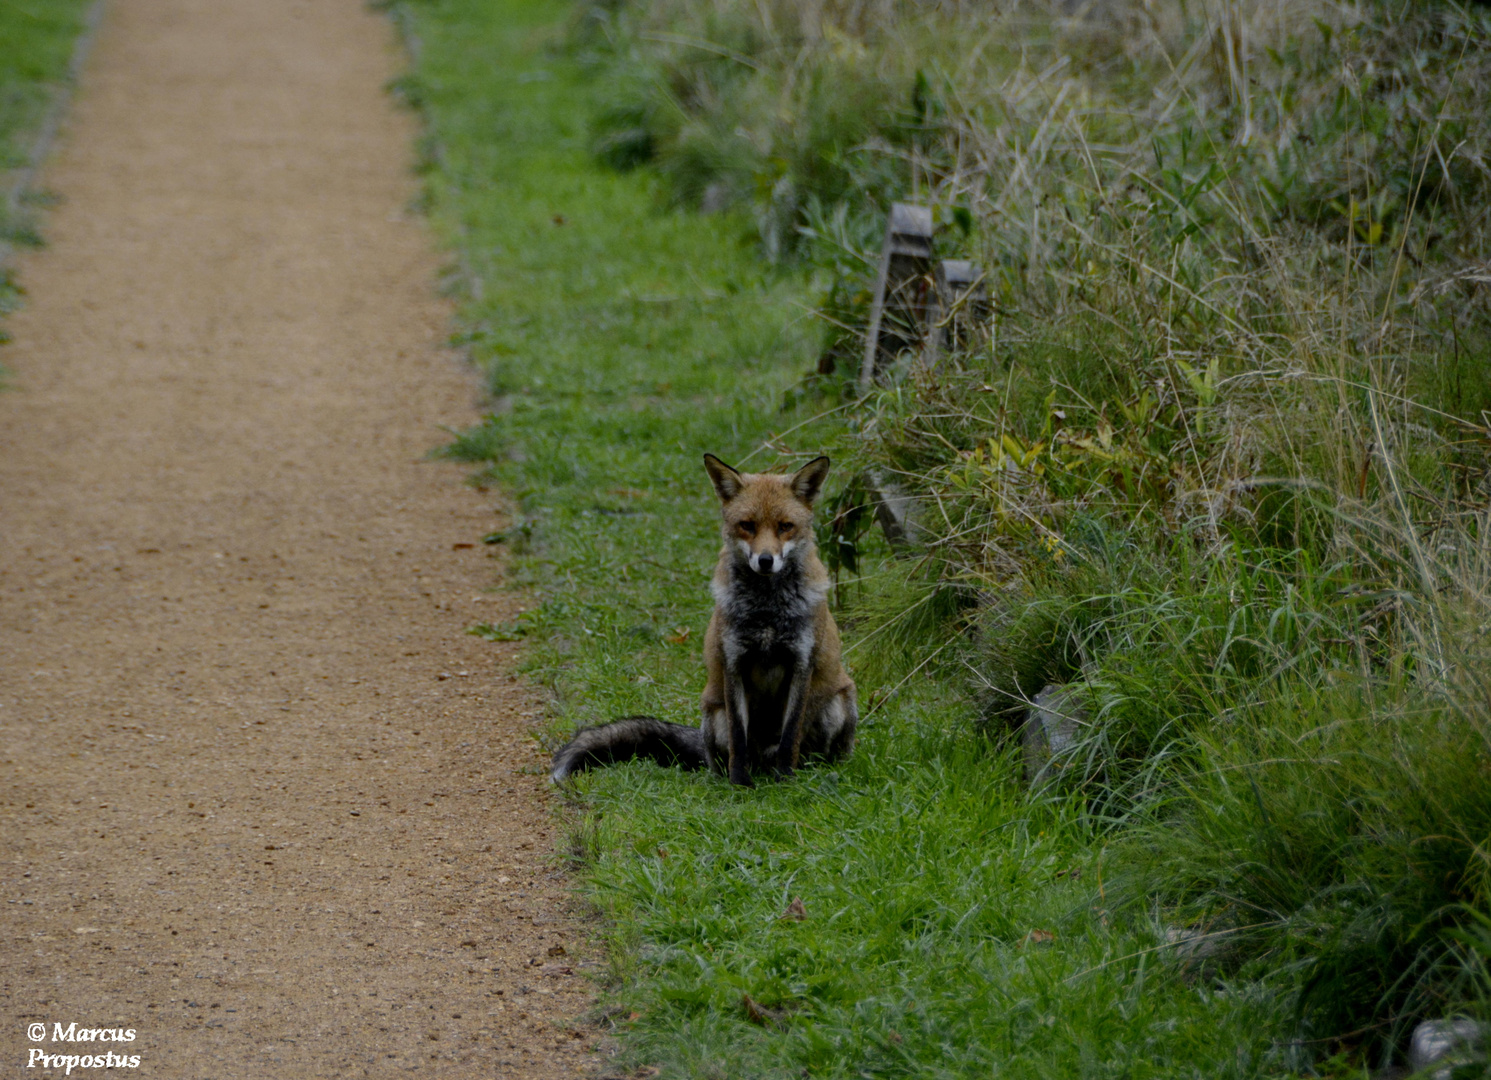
(776, 691)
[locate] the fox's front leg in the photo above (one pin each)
(790, 746)
(736, 718)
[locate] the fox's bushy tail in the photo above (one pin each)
(623, 740)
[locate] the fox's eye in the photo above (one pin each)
(747, 527)
(784, 528)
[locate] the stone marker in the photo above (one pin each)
(1446, 1043)
(1190, 945)
(962, 305)
(1050, 729)
(893, 509)
(903, 291)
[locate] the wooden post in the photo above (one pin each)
(898, 314)
(962, 303)
(894, 509)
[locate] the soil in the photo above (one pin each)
(264, 801)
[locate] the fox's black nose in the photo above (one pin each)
(764, 563)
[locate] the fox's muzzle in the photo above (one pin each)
(764, 562)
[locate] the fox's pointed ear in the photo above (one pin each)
(726, 480)
(807, 481)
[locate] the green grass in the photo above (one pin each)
(951, 930)
(620, 344)
(1218, 458)
(36, 43)
(954, 926)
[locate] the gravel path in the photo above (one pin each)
(263, 800)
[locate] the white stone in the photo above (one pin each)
(1446, 1043)
(1051, 728)
(893, 509)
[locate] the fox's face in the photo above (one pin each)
(768, 518)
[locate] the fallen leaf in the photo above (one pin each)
(758, 1014)
(1040, 937)
(795, 912)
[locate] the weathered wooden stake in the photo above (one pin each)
(894, 509)
(962, 303)
(898, 315)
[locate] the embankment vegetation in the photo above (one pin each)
(1216, 462)
(36, 45)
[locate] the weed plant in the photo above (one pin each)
(1217, 463)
